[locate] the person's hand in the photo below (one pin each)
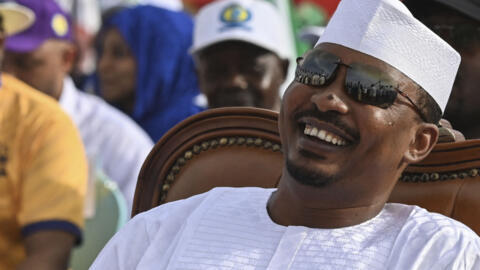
(447, 133)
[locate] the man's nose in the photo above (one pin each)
(236, 80)
(103, 62)
(331, 98)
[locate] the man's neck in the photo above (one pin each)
(295, 204)
(58, 93)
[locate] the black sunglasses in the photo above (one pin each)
(363, 83)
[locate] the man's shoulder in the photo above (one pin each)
(433, 229)
(29, 110)
(420, 218)
(435, 222)
(27, 98)
(434, 241)
(219, 195)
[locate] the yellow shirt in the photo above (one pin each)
(43, 169)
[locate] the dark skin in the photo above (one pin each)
(237, 73)
(43, 68)
(117, 71)
(366, 169)
(45, 250)
(463, 106)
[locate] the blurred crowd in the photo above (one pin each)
(88, 87)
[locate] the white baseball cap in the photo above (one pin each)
(16, 18)
(253, 21)
(386, 30)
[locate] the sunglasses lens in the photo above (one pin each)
(317, 68)
(367, 85)
(363, 83)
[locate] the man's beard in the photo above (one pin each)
(309, 177)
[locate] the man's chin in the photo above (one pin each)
(309, 177)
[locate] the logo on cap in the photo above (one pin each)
(59, 25)
(235, 16)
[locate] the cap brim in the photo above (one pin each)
(22, 43)
(16, 18)
(195, 48)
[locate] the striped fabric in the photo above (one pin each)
(229, 228)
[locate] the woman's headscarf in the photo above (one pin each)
(166, 83)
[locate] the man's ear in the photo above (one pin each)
(69, 57)
(426, 137)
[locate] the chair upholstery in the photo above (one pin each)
(241, 147)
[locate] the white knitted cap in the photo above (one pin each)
(386, 30)
(253, 21)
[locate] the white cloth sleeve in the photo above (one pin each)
(435, 243)
(128, 246)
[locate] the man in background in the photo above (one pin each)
(43, 170)
(42, 56)
(241, 51)
(458, 22)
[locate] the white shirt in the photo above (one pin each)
(229, 228)
(114, 141)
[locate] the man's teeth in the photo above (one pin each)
(324, 135)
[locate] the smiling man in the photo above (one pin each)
(363, 106)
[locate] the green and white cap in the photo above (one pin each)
(257, 22)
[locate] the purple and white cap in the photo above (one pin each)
(51, 22)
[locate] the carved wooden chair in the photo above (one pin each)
(241, 147)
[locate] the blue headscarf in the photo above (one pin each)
(166, 81)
